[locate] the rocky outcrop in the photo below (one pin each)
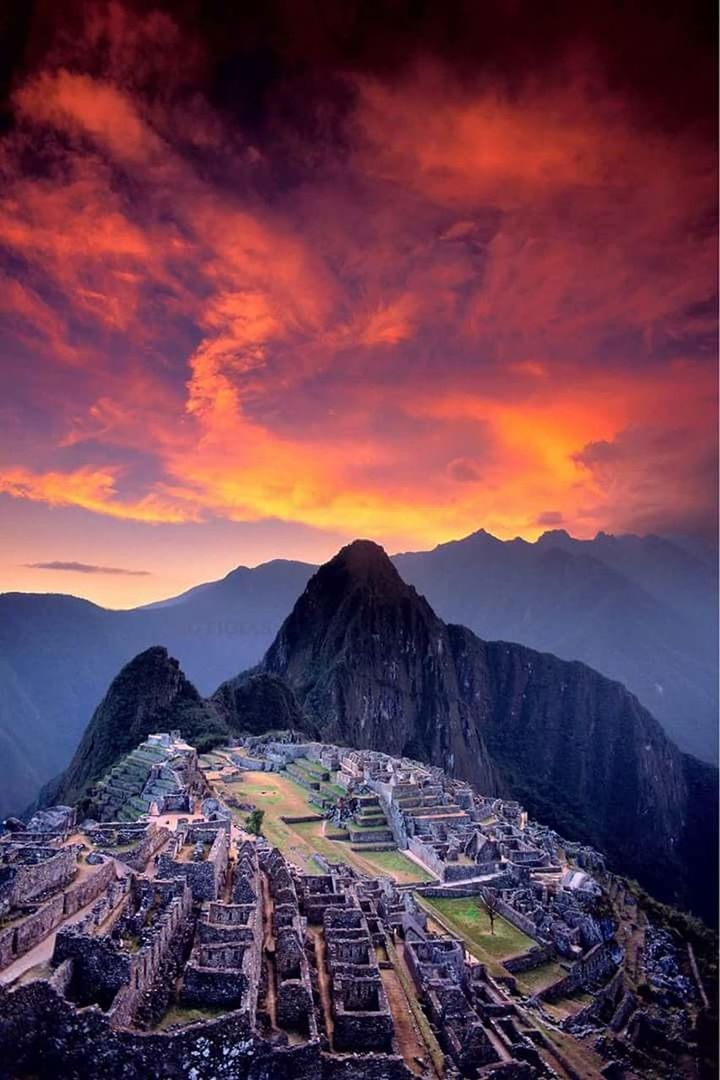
(369, 660)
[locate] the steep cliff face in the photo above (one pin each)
(368, 658)
(638, 609)
(371, 661)
(579, 751)
(150, 694)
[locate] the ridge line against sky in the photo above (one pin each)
(306, 285)
(126, 599)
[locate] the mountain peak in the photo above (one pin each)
(481, 536)
(555, 536)
(362, 566)
(363, 559)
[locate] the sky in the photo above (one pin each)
(276, 277)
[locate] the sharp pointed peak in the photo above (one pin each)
(363, 559)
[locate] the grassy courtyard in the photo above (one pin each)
(279, 796)
(467, 918)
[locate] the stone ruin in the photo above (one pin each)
(361, 1015)
(199, 952)
(199, 855)
(111, 964)
(294, 1007)
(160, 776)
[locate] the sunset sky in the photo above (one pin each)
(337, 268)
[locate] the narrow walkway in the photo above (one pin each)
(323, 981)
(42, 952)
(411, 1046)
(268, 951)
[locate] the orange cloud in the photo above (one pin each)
(486, 305)
(80, 104)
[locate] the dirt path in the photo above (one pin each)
(323, 981)
(42, 952)
(269, 950)
(411, 1046)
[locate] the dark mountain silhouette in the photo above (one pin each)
(641, 610)
(257, 702)
(58, 655)
(371, 663)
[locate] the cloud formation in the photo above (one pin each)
(86, 568)
(457, 302)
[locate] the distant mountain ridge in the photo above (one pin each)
(363, 660)
(641, 610)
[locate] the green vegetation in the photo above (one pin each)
(314, 767)
(540, 977)
(177, 1016)
(149, 694)
(396, 865)
(333, 789)
(254, 822)
(468, 919)
(278, 795)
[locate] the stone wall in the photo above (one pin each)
(527, 961)
(106, 974)
(446, 871)
(138, 858)
(89, 888)
(365, 1067)
(294, 1005)
(465, 890)
(36, 925)
(42, 1034)
(520, 921)
(205, 986)
(53, 870)
(595, 965)
(205, 878)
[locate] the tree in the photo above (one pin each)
(253, 822)
(490, 900)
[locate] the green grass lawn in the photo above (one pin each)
(468, 919)
(277, 794)
(396, 865)
(310, 766)
(179, 1016)
(540, 977)
(332, 789)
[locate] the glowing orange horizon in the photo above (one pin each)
(492, 311)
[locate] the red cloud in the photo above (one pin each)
(435, 328)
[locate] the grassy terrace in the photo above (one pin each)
(279, 796)
(179, 1016)
(313, 767)
(467, 918)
